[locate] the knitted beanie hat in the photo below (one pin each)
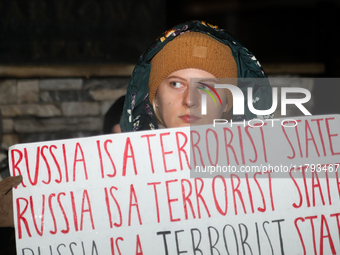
(192, 50)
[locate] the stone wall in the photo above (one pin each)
(47, 109)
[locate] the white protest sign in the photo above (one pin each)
(144, 192)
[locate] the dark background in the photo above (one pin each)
(277, 31)
(78, 31)
(117, 31)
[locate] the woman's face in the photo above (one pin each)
(179, 102)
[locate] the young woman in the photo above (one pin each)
(162, 91)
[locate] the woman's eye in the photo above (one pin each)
(175, 84)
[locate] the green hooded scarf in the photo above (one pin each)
(138, 113)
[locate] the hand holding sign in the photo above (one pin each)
(6, 204)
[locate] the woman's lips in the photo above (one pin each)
(189, 118)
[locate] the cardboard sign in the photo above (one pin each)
(262, 188)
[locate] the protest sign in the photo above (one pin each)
(240, 188)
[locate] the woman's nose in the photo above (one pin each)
(191, 98)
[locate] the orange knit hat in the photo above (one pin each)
(192, 50)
